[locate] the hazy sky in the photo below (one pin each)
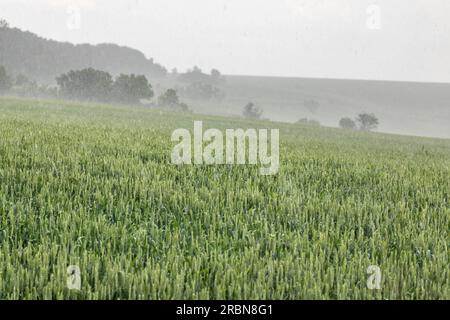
(363, 39)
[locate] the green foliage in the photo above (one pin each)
(92, 185)
(5, 80)
(4, 24)
(367, 122)
(252, 111)
(131, 89)
(216, 77)
(87, 84)
(193, 75)
(170, 100)
(94, 85)
(347, 123)
(196, 75)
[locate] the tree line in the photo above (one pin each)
(364, 122)
(93, 86)
(45, 59)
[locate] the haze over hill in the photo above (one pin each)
(402, 107)
(43, 60)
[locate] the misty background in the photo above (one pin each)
(286, 56)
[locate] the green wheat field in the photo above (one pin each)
(93, 186)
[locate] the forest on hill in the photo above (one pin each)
(42, 60)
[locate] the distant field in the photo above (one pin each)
(421, 109)
(92, 185)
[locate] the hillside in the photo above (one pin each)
(42, 60)
(93, 186)
(421, 109)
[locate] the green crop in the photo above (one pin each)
(93, 186)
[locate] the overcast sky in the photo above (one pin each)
(362, 39)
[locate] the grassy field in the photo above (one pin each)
(92, 186)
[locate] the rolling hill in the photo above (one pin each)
(409, 108)
(43, 60)
(421, 109)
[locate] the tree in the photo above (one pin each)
(215, 73)
(367, 121)
(216, 76)
(169, 99)
(131, 89)
(5, 80)
(251, 111)
(87, 84)
(194, 75)
(347, 123)
(196, 69)
(4, 23)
